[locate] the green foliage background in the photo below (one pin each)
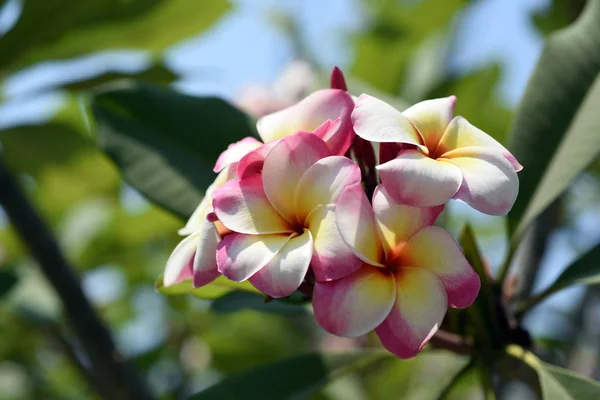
(116, 129)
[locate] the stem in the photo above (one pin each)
(117, 379)
(452, 342)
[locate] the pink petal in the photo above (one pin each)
(431, 117)
(419, 181)
(332, 258)
(205, 261)
(460, 134)
(377, 121)
(286, 271)
(236, 151)
(490, 183)
(252, 163)
(356, 224)
(241, 205)
(398, 222)
(284, 166)
(308, 115)
(356, 304)
(337, 80)
(181, 261)
(240, 256)
(417, 313)
(434, 249)
(323, 182)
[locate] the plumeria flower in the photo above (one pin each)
(411, 272)
(282, 219)
(439, 157)
(195, 256)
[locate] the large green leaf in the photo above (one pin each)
(557, 383)
(585, 270)
(166, 143)
(58, 29)
(214, 290)
(556, 133)
(295, 378)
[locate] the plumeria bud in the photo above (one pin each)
(337, 80)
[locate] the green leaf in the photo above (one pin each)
(235, 301)
(218, 288)
(8, 279)
(585, 270)
(558, 15)
(557, 383)
(166, 143)
(556, 133)
(294, 378)
(59, 29)
(483, 311)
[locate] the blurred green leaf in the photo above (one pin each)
(585, 270)
(236, 301)
(556, 133)
(295, 378)
(560, 14)
(486, 332)
(397, 29)
(166, 143)
(157, 73)
(218, 288)
(421, 378)
(58, 29)
(557, 383)
(8, 279)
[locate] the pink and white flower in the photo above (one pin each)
(411, 272)
(283, 218)
(428, 156)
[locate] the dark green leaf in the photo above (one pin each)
(166, 143)
(585, 270)
(295, 378)
(8, 279)
(237, 301)
(558, 15)
(556, 133)
(483, 310)
(59, 29)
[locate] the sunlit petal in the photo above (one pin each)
(323, 182)
(356, 224)
(180, 263)
(252, 163)
(332, 257)
(431, 117)
(356, 304)
(240, 256)
(417, 313)
(205, 261)
(490, 183)
(377, 121)
(284, 166)
(241, 205)
(397, 223)
(419, 181)
(460, 133)
(287, 269)
(434, 249)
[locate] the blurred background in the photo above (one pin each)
(261, 55)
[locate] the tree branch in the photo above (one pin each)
(117, 379)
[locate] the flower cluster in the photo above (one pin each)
(311, 206)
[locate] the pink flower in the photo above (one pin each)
(282, 219)
(438, 157)
(195, 256)
(411, 272)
